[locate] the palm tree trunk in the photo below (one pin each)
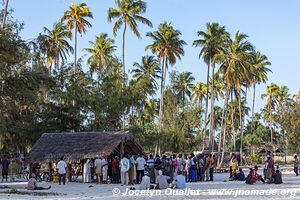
(212, 117)
(161, 100)
(75, 49)
(4, 15)
(206, 107)
(223, 124)
(123, 56)
(253, 102)
(241, 126)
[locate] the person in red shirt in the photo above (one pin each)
(115, 170)
(256, 176)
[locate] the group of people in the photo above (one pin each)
(271, 174)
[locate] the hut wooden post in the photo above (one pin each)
(50, 171)
(121, 149)
(69, 178)
(82, 170)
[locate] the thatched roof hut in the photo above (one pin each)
(82, 145)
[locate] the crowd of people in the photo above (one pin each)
(161, 171)
(130, 169)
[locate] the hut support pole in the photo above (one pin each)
(122, 149)
(50, 171)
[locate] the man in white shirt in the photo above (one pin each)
(124, 165)
(145, 184)
(140, 162)
(104, 169)
(61, 169)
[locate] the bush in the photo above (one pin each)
(255, 159)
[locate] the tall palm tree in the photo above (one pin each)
(199, 93)
(184, 86)
(148, 71)
(4, 15)
(168, 47)
(54, 45)
(212, 42)
(77, 19)
(271, 93)
(101, 53)
(260, 63)
(236, 70)
(128, 12)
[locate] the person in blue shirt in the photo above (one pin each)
(180, 181)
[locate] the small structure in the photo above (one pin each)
(79, 146)
(82, 145)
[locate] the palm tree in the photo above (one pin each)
(101, 53)
(54, 45)
(76, 18)
(199, 93)
(271, 93)
(128, 13)
(260, 63)
(168, 47)
(212, 42)
(236, 70)
(4, 15)
(184, 86)
(148, 71)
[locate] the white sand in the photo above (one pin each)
(78, 191)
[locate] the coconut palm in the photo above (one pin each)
(101, 53)
(148, 72)
(77, 19)
(212, 42)
(236, 70)
(54, 45)
(184, 86)
(128, 13)
(168, 47)
(260, 63)
(198, 95)
(4, 15)
(271, 93)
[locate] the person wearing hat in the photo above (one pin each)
(161, 181)
(145, 183)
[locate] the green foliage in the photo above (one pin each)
(255, 159)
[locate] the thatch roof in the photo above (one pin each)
(82, 145)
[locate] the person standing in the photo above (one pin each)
(98, 169)
(211, 167)
(87, 175)
(270, 168)
(174, 165)
(140, 162)
(104, 169)
(187, 168)
(202, 167)
(5, 166)
(181, 164)
(193, 170)
(124, 165)
(115, 170)
(61, 169)
(150, 166)
(207, 165)
(296, 165)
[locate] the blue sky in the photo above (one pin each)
(272, 26)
